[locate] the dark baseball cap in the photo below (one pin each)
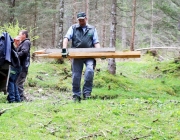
(81, 15)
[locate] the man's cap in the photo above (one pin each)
(81, 15)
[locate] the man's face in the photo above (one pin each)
(82, 22)
(22, 36)
(16, 42)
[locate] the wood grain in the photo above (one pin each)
(128, 54)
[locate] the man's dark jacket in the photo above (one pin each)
(23, 52)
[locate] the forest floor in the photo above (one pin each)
(141, 101)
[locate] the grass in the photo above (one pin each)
(140, 102)
(95, 119)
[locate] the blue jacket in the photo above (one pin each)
(11, 56)
(8, 43)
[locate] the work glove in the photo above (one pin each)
(64, 52)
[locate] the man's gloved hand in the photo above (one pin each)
(64, 52)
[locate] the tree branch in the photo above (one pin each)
(2, 111)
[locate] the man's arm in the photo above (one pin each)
(97, 45)
(64, 48)
(67, 37)
(96, 40)
(65, 42)
(25, 49)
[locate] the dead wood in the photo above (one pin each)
(142, 137)
(91, 136)
(2, 111)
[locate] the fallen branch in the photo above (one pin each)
(137, 138)
(175, 48)
(66, 77)
(91, 136)
(101, 133)
(2, 111)
(80, 109)
(155, 120)
(46, 125)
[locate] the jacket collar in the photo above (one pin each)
(24, 40)
(87, 25)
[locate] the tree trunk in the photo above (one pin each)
(12, 5)
(53, 42)
(104, 26)
(53, 31)
(87, 10)
(123, 27)
(152, 24)
(111, 61)
(57, 27)
(133, 25)
(61, 16)
(74, 12)
(35, 22)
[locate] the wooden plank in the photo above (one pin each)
(128, 54)
(40, 51)
(70, 50)
(155, 48)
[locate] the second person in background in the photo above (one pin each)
(23, 52)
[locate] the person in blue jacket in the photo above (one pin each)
(15, 69)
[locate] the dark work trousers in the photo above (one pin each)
(20, 82)
(77, 68)
(13, 93)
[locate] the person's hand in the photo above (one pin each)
(64, 52)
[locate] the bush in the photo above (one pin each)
(13, 30)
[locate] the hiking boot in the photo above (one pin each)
(76, 98)
(11, 102)
(86, 96)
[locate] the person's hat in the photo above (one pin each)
(81, 15)
(17, 38)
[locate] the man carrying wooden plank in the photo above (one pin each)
(82, 35)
